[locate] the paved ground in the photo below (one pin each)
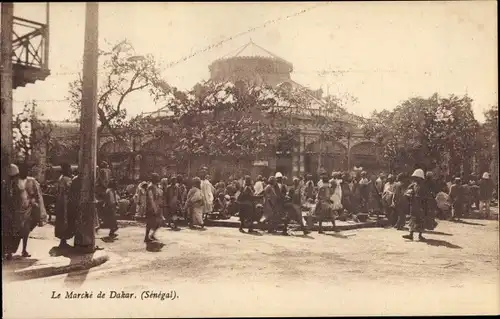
(221, 272)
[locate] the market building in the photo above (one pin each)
(254, 65)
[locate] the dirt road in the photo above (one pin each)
(221, 272)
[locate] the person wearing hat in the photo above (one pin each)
(154, 199)
(247, 205)
(28, 208)
(195, 204)
(418, 195)
(456, 198)
(485, 194)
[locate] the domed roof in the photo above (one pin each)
(252, 50)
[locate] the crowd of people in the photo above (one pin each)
(268, 203)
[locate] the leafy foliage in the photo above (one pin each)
(236, 120)
(29, 132)
(124, 74)
(428, 132)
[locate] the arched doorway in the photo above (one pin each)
(367, 155)
(329, 155)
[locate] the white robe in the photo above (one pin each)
(207, 190)
(336, 197)
(258, 187)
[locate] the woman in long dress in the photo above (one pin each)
(65, 213)
(195, 204)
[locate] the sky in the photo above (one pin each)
(387, 51)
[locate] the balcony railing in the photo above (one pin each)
(30, 54)
(29, 43)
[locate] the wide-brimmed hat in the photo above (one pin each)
(278, 175)
(13, 170)
(486, 175)
(418, 173)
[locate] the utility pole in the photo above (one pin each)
(85, 234)
(6, 86)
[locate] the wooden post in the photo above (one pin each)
(45, 60)
(6, 86)
(85, 235)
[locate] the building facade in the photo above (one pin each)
(252, 65)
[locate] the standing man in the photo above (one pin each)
(259, 185)
(154, 216)
(485, 194)
(456, 197)
(270, 203)
(380, 182)
(418, 194)
(207, 190)
(400, 203)
(27, 207)
(293, 207)
(247, 205)
(172, 205)
(65, 213)
(387, 196)
(323, 208)
(278, 211)
(467, 199)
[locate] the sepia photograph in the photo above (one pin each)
(249, 159)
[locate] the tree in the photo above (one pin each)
(123, 74)
(26, 138)
(488, 141)
(237, 121)
(427, 132)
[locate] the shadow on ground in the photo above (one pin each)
(433, 232)
(440, 243)
(468, 223)
(154, 246)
